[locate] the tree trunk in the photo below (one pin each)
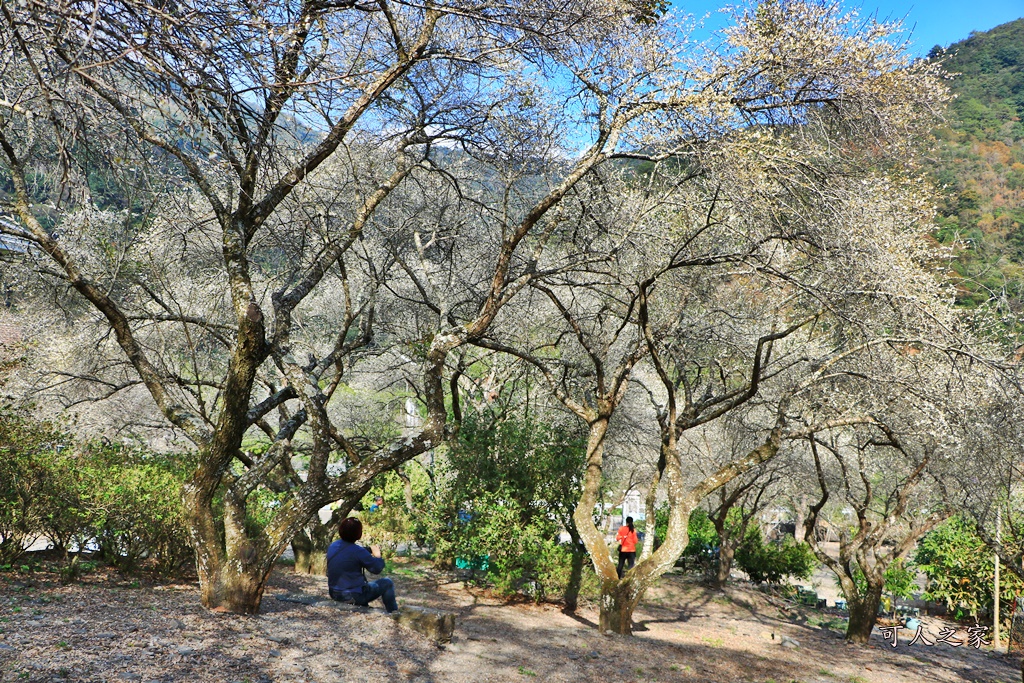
(406, 489)
(232, 574)
(310, 547)
(800, 533)
(726, 552)
(226, 589)
(651, 511)
(302, 548)
(579, 558)
(618, 600)
(863, 612)
(233, 569)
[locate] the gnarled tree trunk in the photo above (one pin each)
(618, 600)
(863, 612)
(310, 546)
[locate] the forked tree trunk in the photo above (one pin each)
(229, 590)
(232, 573)
(863, 612)
(618, 600)
(233, 567)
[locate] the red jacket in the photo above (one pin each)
(628, 539)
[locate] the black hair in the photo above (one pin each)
(350, 529)
(629, 523)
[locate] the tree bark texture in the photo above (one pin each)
(618, 600)
(579, 557)
(726, 552)
(863, 612)
(310, 550)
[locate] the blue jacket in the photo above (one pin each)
(345, 564)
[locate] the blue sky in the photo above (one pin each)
(934, 22)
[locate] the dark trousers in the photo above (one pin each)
(626, 558)
(381, 588)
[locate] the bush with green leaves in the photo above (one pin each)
(27, 448)
(137, 502)
(510, 488)
(774, 561)
(519, 548)
(67, 490)
(700, 553)
(900, 582)
(960, 569)
(394, 523)
(125, 499)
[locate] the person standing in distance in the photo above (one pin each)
(345, 564)
(627, 539)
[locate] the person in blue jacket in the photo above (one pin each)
(346, 561)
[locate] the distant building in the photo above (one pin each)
(633, 506)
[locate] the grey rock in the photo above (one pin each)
(279, 639)
(432, 623)
(129, 676)
(185, 651)
(274, 653)
(7, 648)
(105, 636)
(789, 642)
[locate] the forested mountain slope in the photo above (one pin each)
(979, 163)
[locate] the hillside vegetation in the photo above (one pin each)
(979, 164)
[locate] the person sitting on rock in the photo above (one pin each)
(345, 564)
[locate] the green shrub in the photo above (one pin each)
(138, 508)
(27, 448)
(899, 579)
(394, 523)
(125, 499)
(510, 488)
(959, 568)
(701, 552)
(772, 562)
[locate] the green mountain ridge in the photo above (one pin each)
(979, 166)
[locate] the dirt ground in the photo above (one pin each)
(114, 629)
